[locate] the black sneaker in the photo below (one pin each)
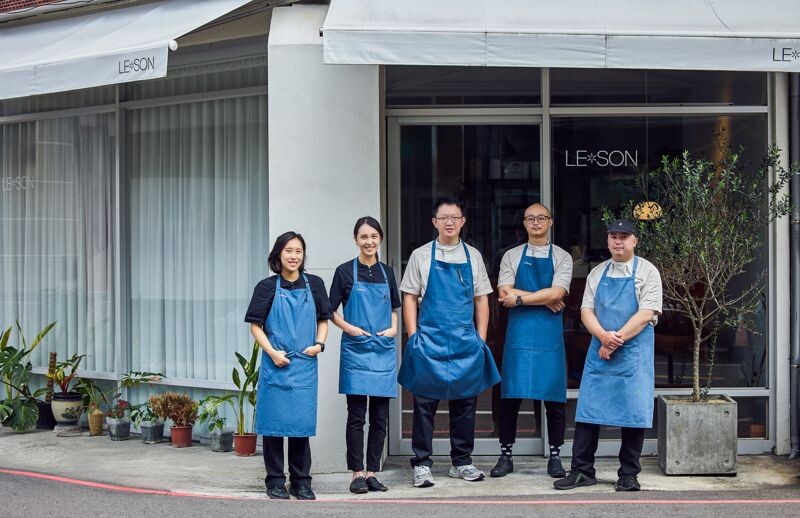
(302, 492)
(554, 468)
(574, 479)
(628, 483)
(504, 466)
(278, 493)
(359, 486)
(375, 485)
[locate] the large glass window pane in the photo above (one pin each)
(495, 171)
(59, 101)
(198, 230)
(57, 233)
(424, 85)
(598, 87)
(595, 164)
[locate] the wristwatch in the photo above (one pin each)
(321, 346)
(519, 301)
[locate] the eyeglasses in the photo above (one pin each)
(537, 219)
(449, 219)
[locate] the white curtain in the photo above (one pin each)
(57, 234)
(198, 232)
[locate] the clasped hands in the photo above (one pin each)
(609, 342)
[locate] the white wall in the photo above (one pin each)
(324, 164)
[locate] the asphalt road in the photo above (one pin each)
(24, 496)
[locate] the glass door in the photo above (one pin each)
(494, 166)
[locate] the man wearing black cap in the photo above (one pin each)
(620, 306)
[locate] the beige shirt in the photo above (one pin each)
(562, 264)
(648, 284)
(415, 278)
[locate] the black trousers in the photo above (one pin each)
(462, 430)
(299, 461)
(584, 447)
(508, 412)
(354, 434)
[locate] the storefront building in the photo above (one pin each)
(138, 215)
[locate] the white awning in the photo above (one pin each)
(742, 35)
(106, 47)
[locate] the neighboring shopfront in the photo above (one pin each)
(139, 215)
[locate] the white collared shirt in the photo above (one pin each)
(649, 293)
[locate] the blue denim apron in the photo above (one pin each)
(446, 358)
(534, 362)
(368, 364)
(286, 402)
(618, 391)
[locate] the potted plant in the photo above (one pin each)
(150, 425)
(20, 407)
(67, 403)
(702, 228)
(183, 412)
(93, 400)
(208, 411)
(244, 442)
(118, 421)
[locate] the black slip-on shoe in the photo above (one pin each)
(555, 469)
(574, 479)
(278, 493)
(628, 483)
(504, 466)
(375, 485)
(359, 486)
(302, 492)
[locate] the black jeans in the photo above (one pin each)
(299, 461)
(584, 447)
(354, 435)
(462, 430)
(508, 411)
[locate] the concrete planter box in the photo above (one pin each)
(697, 438)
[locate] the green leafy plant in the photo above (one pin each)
(19, 409)
(246, 382)
(713, 217)
(142, 412)
(178, 407)
(65, 371)
(208, 411)
(109, 400)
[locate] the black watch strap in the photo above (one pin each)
(321, 345)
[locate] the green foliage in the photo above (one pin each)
(208, 411)
(713, 225)
(65, 371)
(246, 383)
(142, 412)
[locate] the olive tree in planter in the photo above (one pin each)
(703, 232)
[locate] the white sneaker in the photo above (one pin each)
(468, 472)
(422, 476)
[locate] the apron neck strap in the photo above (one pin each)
(355, 271)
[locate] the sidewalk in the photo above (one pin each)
(198, 470)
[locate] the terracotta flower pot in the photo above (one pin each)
(96, 419)
(245, 445)
(181, 436)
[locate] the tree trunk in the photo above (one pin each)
(696, 366)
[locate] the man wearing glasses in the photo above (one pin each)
(534, 278)
(446, 315)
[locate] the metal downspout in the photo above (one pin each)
(794, 157)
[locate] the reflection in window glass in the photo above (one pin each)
(595, 164)
(425, 85)
(607, 86)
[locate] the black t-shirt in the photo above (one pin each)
(264, 294)
(342, 282)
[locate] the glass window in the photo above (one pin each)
(605, 86)
(595, 164)
(59, 101)
(425, 85)
(57, 233)
(197, 181)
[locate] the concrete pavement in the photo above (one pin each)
(198, 470)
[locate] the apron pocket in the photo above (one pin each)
(623, 363)
(464, 342)
(303, 371)
(278, 376)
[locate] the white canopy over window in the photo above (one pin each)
(742, 35)
(104, 47)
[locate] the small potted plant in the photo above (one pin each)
(66, 404)
(95, 401)
(182, 410)
(150, 425)
(119, 423)
(208, 411)
(245, 442)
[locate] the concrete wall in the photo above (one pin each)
(324, 163)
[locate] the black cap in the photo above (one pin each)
(622, 225)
